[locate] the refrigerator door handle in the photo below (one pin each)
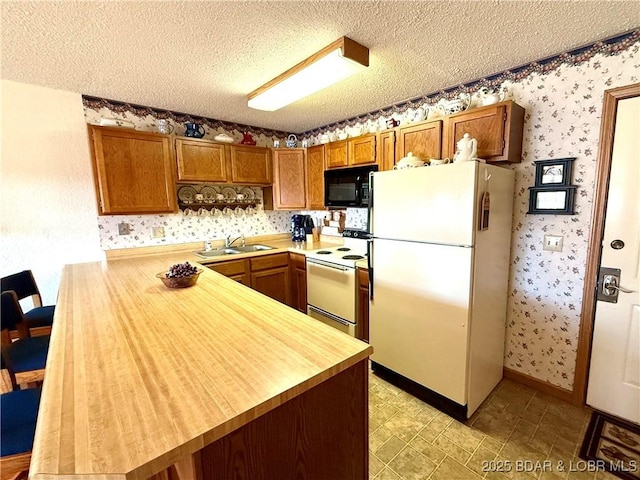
(370, 267)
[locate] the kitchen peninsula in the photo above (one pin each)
(213, 381)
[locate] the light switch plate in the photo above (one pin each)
(552, 243)
(157, 232)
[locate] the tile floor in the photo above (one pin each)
(411, 440)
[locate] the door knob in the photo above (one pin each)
(609, 285)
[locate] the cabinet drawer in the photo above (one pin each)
(270, 261)
(233, 267)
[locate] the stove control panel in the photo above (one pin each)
(355, 233)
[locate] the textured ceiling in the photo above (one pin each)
(204, 57)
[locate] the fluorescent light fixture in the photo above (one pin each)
(335, 62)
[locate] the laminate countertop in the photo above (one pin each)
(139, 375)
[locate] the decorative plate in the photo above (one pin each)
(229, 194)
(115, 122)
(249, 194)
(223, 137)
(187, 194)
(209, 194)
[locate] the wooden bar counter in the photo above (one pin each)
(215, 381)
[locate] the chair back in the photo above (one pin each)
(24, 285)
(11, 317)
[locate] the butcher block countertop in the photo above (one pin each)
(139, 375)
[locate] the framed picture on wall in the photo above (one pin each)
(552, 200)
(554, 172)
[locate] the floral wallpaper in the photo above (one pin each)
(563, 112)
(562, 97)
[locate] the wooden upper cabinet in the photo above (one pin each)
(423, 139)
(289, 179)
(250, 165)
(362, 150)
(201, 160)
(386, 146)
(315, 177)
(133, 171)
(337, 154)
(498, 129)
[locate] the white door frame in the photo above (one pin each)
(603, 169)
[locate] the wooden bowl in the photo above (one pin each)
(179, 282)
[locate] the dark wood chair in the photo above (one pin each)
(18, 414)
(25, 357)
(39, 318)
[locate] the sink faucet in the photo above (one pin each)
(228, 242)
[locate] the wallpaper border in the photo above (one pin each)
(609, 46)
(96, 103)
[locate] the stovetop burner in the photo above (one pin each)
(323, 252)
(353, 257)
(343, 249)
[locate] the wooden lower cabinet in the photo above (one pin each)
(298, 276)
(362, 305)
(273, 282)
(237, 270)
(268, 274)
(322, 433)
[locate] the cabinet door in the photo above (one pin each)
(289, 179)
(387, 150)
(201, 160)
(337, 154)
(250, 165)
(423, 139)
(133, 171)
(362, 150)
(273, 282)
(497, 128)
(315, 177)
(298, 274)
(362, 330)
(237, 270)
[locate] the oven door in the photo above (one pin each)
(332, 320)
(331, 294)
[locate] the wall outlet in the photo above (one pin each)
(552, 243)
(157, 232)
(124, 228)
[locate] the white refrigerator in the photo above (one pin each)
(439, 279)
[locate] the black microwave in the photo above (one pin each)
(347, 187)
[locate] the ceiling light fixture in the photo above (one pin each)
(333, 63)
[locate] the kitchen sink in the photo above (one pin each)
(252, 248)
(217, 253)
(232, 251)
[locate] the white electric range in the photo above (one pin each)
(331, 281)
